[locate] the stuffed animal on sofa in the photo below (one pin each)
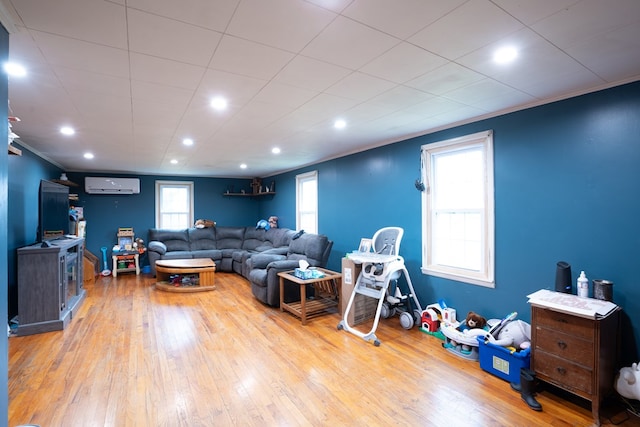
(205, 223)
(273, 221)
(264, 224)
(516, 334)
(628, 382)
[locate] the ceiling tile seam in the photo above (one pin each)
(171, 18)
(222, 34)
(126, 21)
(532, 29)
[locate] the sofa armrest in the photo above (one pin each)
(262, 260)
(285, 264)
(277, 251)
(156, 246)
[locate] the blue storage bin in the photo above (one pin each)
(500, 362)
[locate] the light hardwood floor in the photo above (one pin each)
(137, 356)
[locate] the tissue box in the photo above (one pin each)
(500, 362)
(310, 273)
(303, 274)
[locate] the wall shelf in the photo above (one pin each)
(15, 151)
(257, 190)
(65, 182)
(267, 193)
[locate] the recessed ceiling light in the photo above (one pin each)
(340, 124)
(219, 103)
(505, 55)
(67, 130)
(243, 166)
(275, 150)
(88, 155)
(187, 141)
(14, 70)
(174, 162)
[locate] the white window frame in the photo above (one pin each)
(189, 209)
(485, 274)
(301, 180)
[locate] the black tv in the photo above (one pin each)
(53, 211)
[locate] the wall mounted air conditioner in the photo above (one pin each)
(104, 185)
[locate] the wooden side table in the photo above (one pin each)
(326, 287)
(128, 258)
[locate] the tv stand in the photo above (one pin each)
(50, 283)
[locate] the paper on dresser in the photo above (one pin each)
(585, 307)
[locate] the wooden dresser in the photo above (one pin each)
(575, 353)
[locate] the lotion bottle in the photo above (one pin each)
(583, 285)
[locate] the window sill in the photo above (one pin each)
(487, 283)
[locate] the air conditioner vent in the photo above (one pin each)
(105, 185)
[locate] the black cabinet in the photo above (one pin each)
(50, 280)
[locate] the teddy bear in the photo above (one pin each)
(474, 320)
(472, 326)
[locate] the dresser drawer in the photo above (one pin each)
(561, 322)
(566, 346)
(563, 372)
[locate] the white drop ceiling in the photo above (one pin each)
(135, 77)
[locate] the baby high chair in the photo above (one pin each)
(379, 279)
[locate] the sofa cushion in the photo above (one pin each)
(279, 237)
(229, 238)
(178, 255)
(261, 260)
(228, 253)
(174, 240)
(202, 238)
(310, 247)
(214, 254)
(254, 237)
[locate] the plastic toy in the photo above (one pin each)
(105, 269)
(462, 340)
(430, 319)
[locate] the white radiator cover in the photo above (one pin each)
(105, 185)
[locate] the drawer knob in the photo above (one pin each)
(562, 345)
(561, 370)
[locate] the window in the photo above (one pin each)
(458, 209)
(307, 202)
(174, 204)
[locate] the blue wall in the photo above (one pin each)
(4, 207)
(106, 213)
(565, 177)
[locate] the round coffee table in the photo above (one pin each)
(185, 275)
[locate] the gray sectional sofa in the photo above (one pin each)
(232, 249)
